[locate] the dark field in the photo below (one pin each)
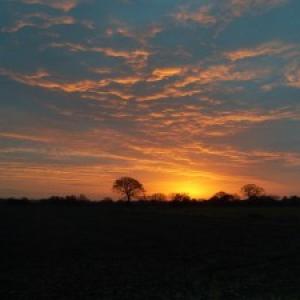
(118, 252)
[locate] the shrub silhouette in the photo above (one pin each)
(159, 197)
(223, 198)
(181, 197)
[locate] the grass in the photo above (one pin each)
(118, 252)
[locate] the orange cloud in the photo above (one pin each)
(219, 73)
(23, 137)
(255, 116)
(46, 22)
(183, 161)
(239, 7)
(141, 35)
(223, 12)
(64, 5)
(137, 57)
(292, 75)
(163, 73)
(41, 79)
(267, 49)
(191, 122)
(89, 88)
(202, 15)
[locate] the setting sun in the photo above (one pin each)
(193, 189)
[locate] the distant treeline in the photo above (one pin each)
(219, 199)
(129, 189)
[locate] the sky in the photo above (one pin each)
(184, 95)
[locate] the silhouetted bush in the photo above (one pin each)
(263, 200)
(223, 198)
(157, 197)
(178, 199)
(16, 201)
(106, 200)
(67, 200)
(293, 200)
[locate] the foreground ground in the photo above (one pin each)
(117, 252)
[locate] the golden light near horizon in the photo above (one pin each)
(193, 189)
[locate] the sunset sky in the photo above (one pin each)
(184, 95)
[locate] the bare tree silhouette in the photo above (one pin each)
(128, 187)
(252, 191)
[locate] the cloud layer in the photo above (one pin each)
(202, 95)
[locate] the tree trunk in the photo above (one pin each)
(128, 198)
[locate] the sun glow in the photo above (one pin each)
(193, 189)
